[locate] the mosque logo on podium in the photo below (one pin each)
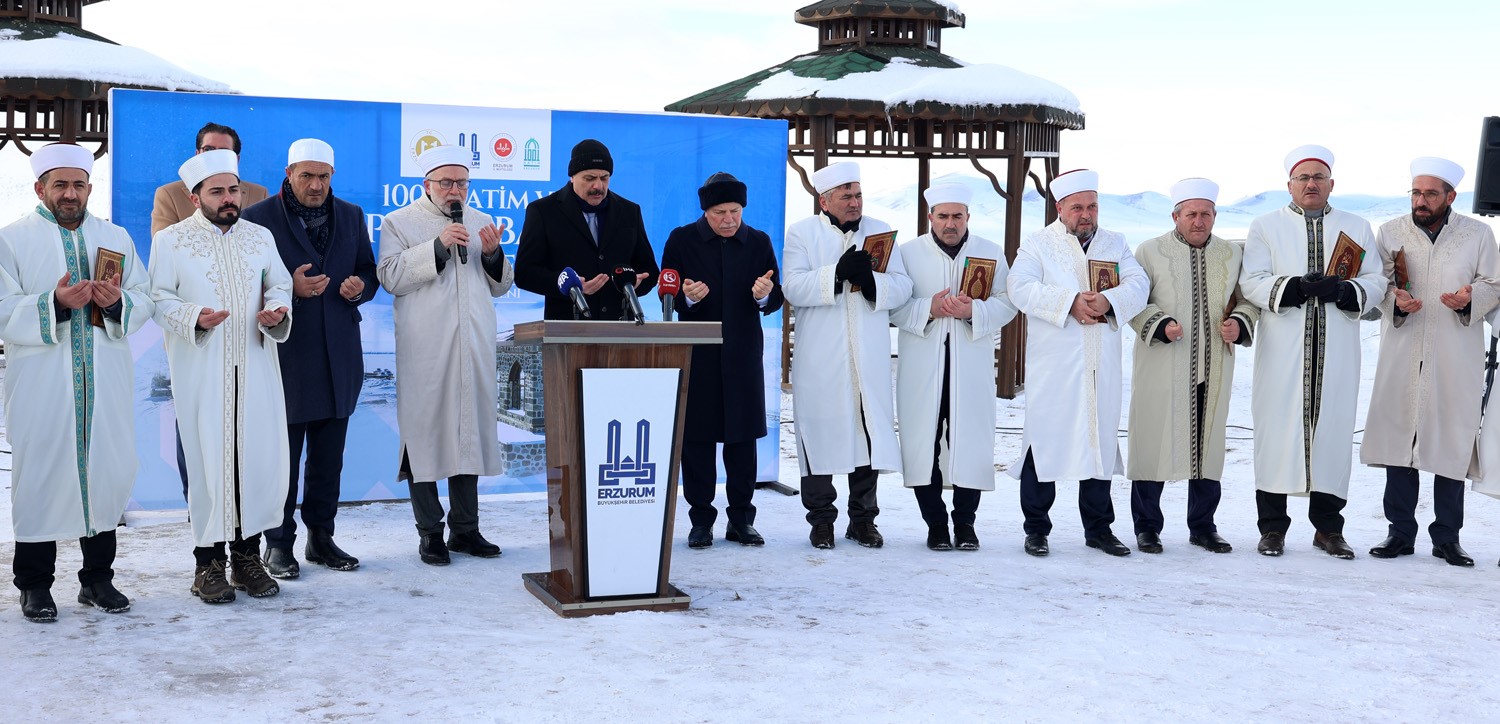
(624, 478)
(533, 154)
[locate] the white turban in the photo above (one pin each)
(948, 194)
(440, 156)
(1440, 168)
(309, 149)
(1309, 153)
(1073, 182)
(1195, 188)
(835, 175)
(209, 163)
(61, 155)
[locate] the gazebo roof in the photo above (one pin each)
(944, 12)
(69, 55)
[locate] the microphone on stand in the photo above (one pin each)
(569, 283)
(667, 285)
(624, 279)
(456, 213)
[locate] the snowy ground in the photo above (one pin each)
(787, 633)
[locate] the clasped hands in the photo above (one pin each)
(1089, 307)
(944, 304)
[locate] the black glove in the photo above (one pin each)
(1320, 286)
(853, 266)
(1344, 296)
(1292, 294)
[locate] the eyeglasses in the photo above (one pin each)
(1304, 178)
(449, 184)
(1429, 195)
(206, 148)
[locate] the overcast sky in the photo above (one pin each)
(1170, 88)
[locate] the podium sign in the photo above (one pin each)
(628, 419)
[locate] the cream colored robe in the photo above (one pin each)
(1192, 286)
(1303, 403)
(69, 388)
(445, 344)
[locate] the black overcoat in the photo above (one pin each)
(554, 236)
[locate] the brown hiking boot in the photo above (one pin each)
(210, 585)
(249, 575)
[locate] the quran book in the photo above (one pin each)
(1403, 279)
(107, 263)
(1234, 301)
(879, 246)
(979, 276)
(1346, 258)
(1103, 275)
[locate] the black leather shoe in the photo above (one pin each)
(1392, 547)
(104, 596)
(1211, 542)
(280, 563)
(821, 536)
(1454, 554)
(322, 550)
(745, 535)
(865, 534)
(1108, 543)
(37, 606)
(701, 536)
(964, 537)
(1333, 544)
(938, 540)
(474, 544)
(1036, 545)
(433, 551)
(1148, 542)
(1271, 544)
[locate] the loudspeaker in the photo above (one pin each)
(1487, 175)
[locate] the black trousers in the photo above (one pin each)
(203, 555)
(1324, 510)
(320, 481)
(699, 474)
(930, 496)
(463, 505)
(1095, 508)
(1202, 503)
(819, 496)
(1401, 487)
(181, 460)
(36, 563)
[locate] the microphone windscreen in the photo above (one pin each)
(568, 280)
(668, 283)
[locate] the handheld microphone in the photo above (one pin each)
(571, 285)
(456, 213)
(624, 279)
(667, 285)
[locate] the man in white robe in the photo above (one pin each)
(445, 350)
(1422, 414)
(1073, 369)
(223, 301)
(947, 344)
(69, 387)
(1184, 367)
(1307, 355)
(841, 371)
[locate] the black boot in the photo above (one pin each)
(821, 536)
(37, 606)
(280, 563)
(322, 550)
(865, 534)
(937, 538)
(105, 596)
(431, 549)
(964, 537)
(474, 544)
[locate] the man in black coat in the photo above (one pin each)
(729, 275)
(323, 241)
(585, 226)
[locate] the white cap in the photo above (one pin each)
(440, 156)
(1440, 168)
(835, 175)
(208, 163)
(1195, 188)
(309, 149)
(61, 155)
(1309, 153)
(1071, 182)
(948, 194)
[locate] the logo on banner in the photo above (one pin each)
(533, 157)
(503, 146)
(471, 142)
(425, 139)
(623, 478)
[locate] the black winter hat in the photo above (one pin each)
(590, 154)
(722, 188)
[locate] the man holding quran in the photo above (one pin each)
(1075, 283)
(947, 342)
(1184, 367)
(842, 294)
(1444, 269)
(71, 290)
(1307, 352)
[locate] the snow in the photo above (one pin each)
(72, 56)
(903, 81)
(788, 633)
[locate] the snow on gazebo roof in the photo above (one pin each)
(36, 50)
(905, 82)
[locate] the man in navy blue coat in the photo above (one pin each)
(324, 243)
(729, 275)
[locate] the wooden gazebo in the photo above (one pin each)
(867, 36)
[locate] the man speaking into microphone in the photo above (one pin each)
(728, 274)
(586, 227)
(445, 349)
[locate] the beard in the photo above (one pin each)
(70, 214)
(226, 215)
(1426, 217)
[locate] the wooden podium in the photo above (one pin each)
(573, 353)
